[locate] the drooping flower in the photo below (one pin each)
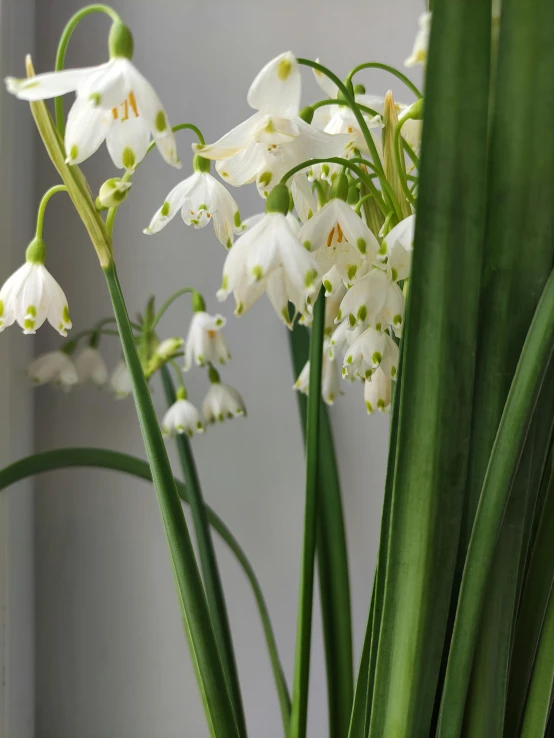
(31, 296)
(182, 417)
(222, 401)
(205, 342)
(370, 350)
(342, 337)
(396, 249)
(201, 200)
(91, 367)
(330, 377)
(378, 392)
(374, 300)
(269, 257)
(120, 382)
(114, 103)
(338, 237)
(54, 367)
(421, 44)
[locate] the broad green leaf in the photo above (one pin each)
(437, 373)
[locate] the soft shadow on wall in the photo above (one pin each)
(112, 660)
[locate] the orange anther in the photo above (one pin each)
(330, 237)
(133, 103)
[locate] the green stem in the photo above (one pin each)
(170, 300)
(400, 164)
(71, 25)
(412, 154)
(208, 563)
(194, 607)
(42, 207)
(539, 699)
(101, 458)
(363, 127)
(503, 464)
(299, 716)
(330, 101)
(361, 201)
(349, 165)
(392, 70)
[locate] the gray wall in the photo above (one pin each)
(111, 656)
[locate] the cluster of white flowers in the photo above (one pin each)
(319, 230)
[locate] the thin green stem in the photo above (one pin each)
(364, 177)
(331, 101)
(208, 562)
(170, 300)
(401, 164)
(503, 463)
(102, 458)
(361, 201)
(299, 716)
(321, 197)
(387, 68)
(42, 207)
(71, 25)
(412, 154)
(363, 127)
(205, 655)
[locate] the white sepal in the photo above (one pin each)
(182, 417)
(378, 392)
(91, 367)
(421, 44)
(277, 87)
(54, 367)
(120, 382)
(205, 342)
(330, 378)
(222, 402)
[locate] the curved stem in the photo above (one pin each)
(110, 218)
(170, 300)
(387, 68)
(411, 153)
(331, 101)
(361, 201)
(104, 459)
(71, 25)
(42, 207)
(364, 177)
(363, 126)
(401, 165)
(321, 196)
(208, 562)
(299, 715)
(206, 659)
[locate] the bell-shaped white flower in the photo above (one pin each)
(120, 382)
(201, 200)
(396, 249)
(342, 337)
(91, 367)
(378, 392)
(269, 257)
(374, 300)
(338, 237)
(114, 103)
(222, 401)
(31, 296)
(54, 367)
(182, 417)
(330, 378)
(421, 44)
(370, 350)
(205, 342)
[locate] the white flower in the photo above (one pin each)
(339, 238)
(182, 417)
(205, 342)
(378, 392)
(370, 350)
(374, 300)
(91, 367)
(269, 257)
(31, 296)
(396, 249)
(163, 352)
(342, 337)
(421, 44)
(54, 367)
(330, 378)
(201, 200)
(221, 402)
(120, 381)
(114, 103)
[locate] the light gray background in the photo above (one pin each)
(111, 658)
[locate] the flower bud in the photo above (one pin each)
(390, 120)
(278, 200)
(200, 164)
(112, 193)
(165, 351)
(120, 41)
(414, 112)
(36, 252)
(359, 90)
(339, 188)
(198, 303)
(307, 114)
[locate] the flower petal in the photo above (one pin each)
(127, 142)
(46, 86)
(171, 206)
(87, 127)
(232, 142)
(277, 88)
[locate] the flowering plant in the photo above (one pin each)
(396, 244)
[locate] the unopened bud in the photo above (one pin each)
(112, 193)
(165, 351)
(278, 200)
(120, 41)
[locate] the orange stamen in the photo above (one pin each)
(133, 103)
(340, 234)
(330, 237)
(114, 113)
(211, 334)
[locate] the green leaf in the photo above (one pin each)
(508, 446)
(208, 562)
(437, 373)
(102, 458)
(332, 559)
(210, 675)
